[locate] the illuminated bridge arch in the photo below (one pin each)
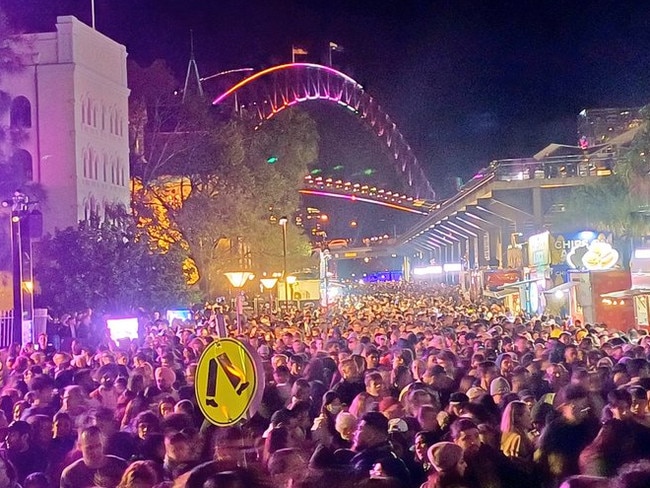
(274, 89)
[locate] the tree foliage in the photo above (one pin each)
(225, 203)
(619, 203)
(109, 267)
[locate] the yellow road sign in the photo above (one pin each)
(228, 382)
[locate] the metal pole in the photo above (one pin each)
(16, 249)
(284, 257)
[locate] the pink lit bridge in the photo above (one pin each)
(272, 90)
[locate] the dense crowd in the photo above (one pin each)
(395, 386)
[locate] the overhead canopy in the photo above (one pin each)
(630, 293)
(500, 294)
(562, 287)
(517, 284)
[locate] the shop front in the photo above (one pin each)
(637, 295)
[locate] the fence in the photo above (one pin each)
(31, 328)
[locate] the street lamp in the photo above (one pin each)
(238, 279)
(268, 284)
(283, 221)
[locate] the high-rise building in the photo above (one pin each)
(598, 125)
(71, 103)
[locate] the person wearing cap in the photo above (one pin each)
(499, 388)
(448, 464)
(24, 455)
(370, 443)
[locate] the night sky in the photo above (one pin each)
(467, 81)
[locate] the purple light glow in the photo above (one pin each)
(273, 69)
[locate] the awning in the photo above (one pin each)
(562, 287)
(517, 284)
(500, 294)
(630, 293)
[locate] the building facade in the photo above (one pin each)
(71, 103)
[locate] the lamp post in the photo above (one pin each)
(238, 279)
(283, 221)
(268, 284)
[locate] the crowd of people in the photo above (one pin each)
(394, 386)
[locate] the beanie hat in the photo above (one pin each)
(499, 386)
(444, 455)
(474, 392)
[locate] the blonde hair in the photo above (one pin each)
(511, 413)
(144, 471)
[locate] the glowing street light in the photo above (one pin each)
(268, 284)
(238, 279)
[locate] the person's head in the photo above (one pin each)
(374, 383)
(348, 370)
(632, 475)
(178, 447)
(185, 407)
(62, 425)
(575, 406)
(427, 417)
(166, 407)
(639, 407)
(372, 430)
(19, 408)
(164, 378)
(516, 417)
(104, 418)
(345, 425)
(447, 457)
(91, 445)
(73, 398)
(331, 404)
(41, 429)
(35, 480)
(146, 423)
(43, 386)
(464, 432)
(619, 402)
(421, 444)
(18, 436)
(140, 474)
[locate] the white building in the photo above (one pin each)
(72, 101)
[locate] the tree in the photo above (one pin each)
(619, 203)
(110, 267)
(226, 194)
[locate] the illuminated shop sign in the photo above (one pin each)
(584, 250)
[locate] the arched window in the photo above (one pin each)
(85, 161)
(105, 167)
(83, 110)
(21, 162)
(103, 117)
(89, 111)
(113, 173)
(21, 113)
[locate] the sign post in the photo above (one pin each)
(229, 382)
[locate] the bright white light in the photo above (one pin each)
(123, 328)
(558, 294)
(181, 315)
(427, 270)
(452, 267)
(642, 253)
